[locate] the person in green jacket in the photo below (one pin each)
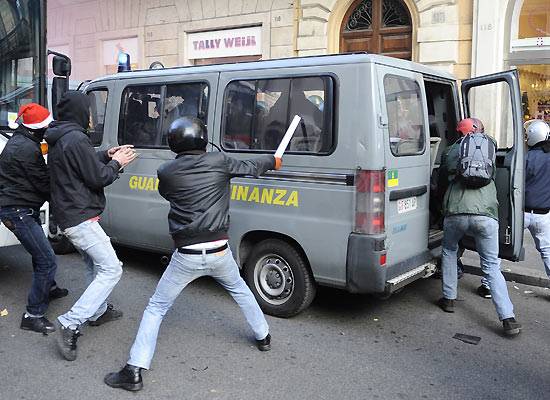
(473, 211)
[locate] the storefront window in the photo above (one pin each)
(534, 20)
(535, 91)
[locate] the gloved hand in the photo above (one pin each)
(278, 163)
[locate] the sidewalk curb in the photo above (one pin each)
(523, 278)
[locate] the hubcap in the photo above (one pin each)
(273, 279)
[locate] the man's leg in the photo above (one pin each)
(28, 230)
(539, 227)
(226, 272)
(180, 272)
(45, 267)
(90, 238)
(454, 227)
(485, 232)
(90, 274)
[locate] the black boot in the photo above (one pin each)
(109, 315)
(66, 342)
(37, 324)
(128, 378)
(264, 344)
(57, 293)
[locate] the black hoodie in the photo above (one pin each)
(24, 178)
(78, 173)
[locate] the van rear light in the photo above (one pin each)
(369, 202)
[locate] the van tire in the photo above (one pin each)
(61, 245)
(276, 259)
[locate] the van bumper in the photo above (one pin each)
(364, 274)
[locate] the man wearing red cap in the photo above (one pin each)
(471, 207)
(24, 187)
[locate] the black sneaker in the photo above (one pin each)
(511, 326)
(66, 342)
(58, 293)
(484, 292)
(446, 305)
(109, 315)
(128, 378)
(37, 324)
(264, 344)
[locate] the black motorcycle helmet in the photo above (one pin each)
(187, 133)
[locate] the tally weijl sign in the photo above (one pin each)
(225, 43)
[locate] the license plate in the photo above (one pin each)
(406, 205)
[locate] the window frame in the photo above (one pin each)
(329, 112)
(423, 131)
(163, 90)
(95, 89)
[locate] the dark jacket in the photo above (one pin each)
(537, 177)
(197, 186)
(78, 173)
(24, 178)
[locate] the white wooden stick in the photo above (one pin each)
(288, 135)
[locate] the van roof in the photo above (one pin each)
(309, 61)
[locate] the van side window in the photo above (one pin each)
(184, 100)
(98, 105)
(405, 115)
(257, 113)
(139, 122)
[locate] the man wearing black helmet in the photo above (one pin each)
(197, 185)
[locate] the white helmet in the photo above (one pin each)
(537, 131)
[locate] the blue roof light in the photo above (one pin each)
(124, 62)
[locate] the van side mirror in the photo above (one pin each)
(61, 66)
(59, 86)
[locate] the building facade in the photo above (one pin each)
(464, 37)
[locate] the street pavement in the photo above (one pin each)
(343, 347)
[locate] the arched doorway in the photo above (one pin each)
(377, 26)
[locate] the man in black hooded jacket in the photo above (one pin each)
(24, 187)
(78, 176)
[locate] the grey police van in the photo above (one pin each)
(357, 203)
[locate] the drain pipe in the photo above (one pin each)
(296, 27)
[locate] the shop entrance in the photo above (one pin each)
(377, 26)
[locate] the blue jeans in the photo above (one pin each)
(24, 222)
(485, 232)
(182, 270)
(103, 271)
(539, 227)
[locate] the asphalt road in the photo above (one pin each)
(343, 347)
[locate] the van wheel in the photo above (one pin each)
(280, 278)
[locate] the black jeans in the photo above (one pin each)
(24, 222)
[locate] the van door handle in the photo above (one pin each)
(409, 192)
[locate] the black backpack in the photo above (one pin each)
(476, 160)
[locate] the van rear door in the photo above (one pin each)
(495, 99)
(403, 120)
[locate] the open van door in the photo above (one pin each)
(495, 99)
